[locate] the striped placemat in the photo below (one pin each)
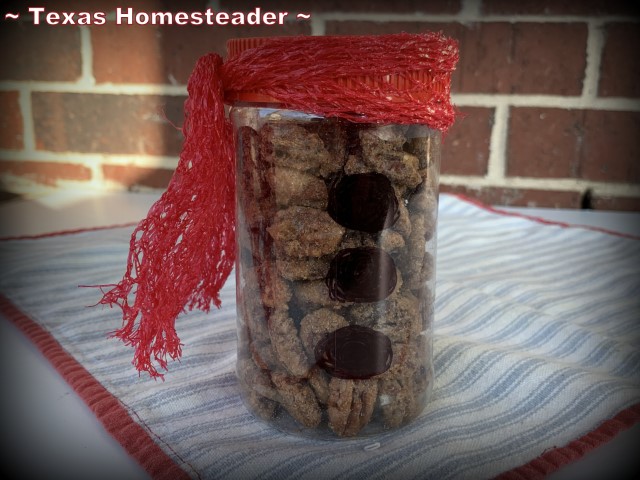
(537, 358)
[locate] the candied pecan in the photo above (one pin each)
(294, 187)
(319, 381)
(382, 149)
(286, 144)
(255, 181)
(355, 165)
(314, 294)
(354, 239)
(403, 387)
(315, 325)
(427, 307)
(263, 279)
(400, 167)
(365, 393)
(339, 403)
(398, 317)
(424, 143)
(287, 345)
(262, 406)
(264, 355)
(333, 133)
(424, 199)
(391, 137)
(350, 405)
(416, 243)
(254, 175)
(256, 379)
(423, 215)
(396, 401)
(260, 394)
(305, 232)
(390, 240)
(298, 399)
(253, 313)
(403, 224)
(312, 268)
(420, 275)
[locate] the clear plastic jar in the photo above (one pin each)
(336, 232)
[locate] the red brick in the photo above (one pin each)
(10, 121)
(611, 146)
(623, 204)
(39, 52)
(620, 65)
(502, 57)
(517, 197)
(166, 54)
(46, 173)
(531, 58)
(544, 142)
(131, 177)
(294, 6)
(591, 144)
(466, 145)
(114, 60)
(558, 7)
(135, 124)
(486, 62)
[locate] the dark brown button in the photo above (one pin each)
(363, 274)
(365, 202)
(354, 352)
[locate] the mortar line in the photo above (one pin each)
(497, 163)
(28, 130)
(102, 88)
(30, 188)
(470, 8)
(97, 175)
(549, 101)
(138, 160)
(318, 25)
(595, 45)
(86, 54)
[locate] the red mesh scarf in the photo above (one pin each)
(183, 251)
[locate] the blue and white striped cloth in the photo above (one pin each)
(537, 338)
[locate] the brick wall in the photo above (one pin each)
(549, 93)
